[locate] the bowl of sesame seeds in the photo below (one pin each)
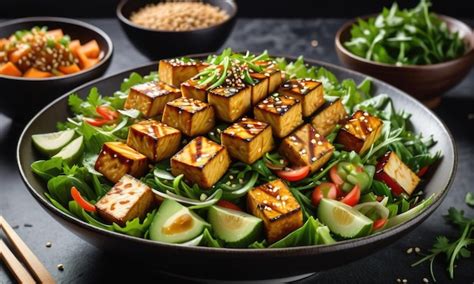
(161, 29)
(44, 63)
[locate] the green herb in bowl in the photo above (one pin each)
(414, 36)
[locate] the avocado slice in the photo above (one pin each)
(51, 143)
(175, 223)
(343, 220)
(235, 228)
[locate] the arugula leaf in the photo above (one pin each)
(209, 241)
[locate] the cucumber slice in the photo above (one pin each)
(72, 152)
(50, 144)
(174, 223)
(237, 229)
(343, 220)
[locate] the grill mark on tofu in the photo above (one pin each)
(198, 152)
(246, 129)
(188, 104)
(277, 104)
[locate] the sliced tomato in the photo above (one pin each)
(228, 205)
(324, 190)
(335, 177)
(353, 197)
(422, 171)
(86, 205)
(106, 112)
(97, 121)
(379, 223)
(295, 174)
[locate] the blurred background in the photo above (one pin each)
(247, 8)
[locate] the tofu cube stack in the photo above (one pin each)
(277, 207)
(326, 120)
(248, 140)
(396, 174)
(360, 132)
(156, 140)
(117, 159)
(150, 98)
(306, 147)
(128, 199)
(309, 92)
(192, 117)
(201, 161)
(283, 113)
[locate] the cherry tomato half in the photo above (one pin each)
(422, 171)
(228, 205)
(379, 223)
(335, 177)
(86, 205)
(295, 174)
(324, 190)
(97, 121)
(353, 197)
(106, 112)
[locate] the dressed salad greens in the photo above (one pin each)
(405, 37)
(237, 150)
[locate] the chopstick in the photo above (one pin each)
(19, 271)
(40, 273)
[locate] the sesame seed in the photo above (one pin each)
(425, 280)
(409, 251)
(48, 244)
(417, 250)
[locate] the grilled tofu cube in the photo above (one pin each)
(117, 159)
(398, 176)
(308, 91)
(259, 88)
(230, 103)
(283, 113)
(247, 140)
(154, 139)
(277, 207)
(192, 117)
(326, 120)
(306, 147)
(127, 200)
(150, 98)
(360, 132)
(271, 71)
(176, 71)
(201, 161)
(192, 89)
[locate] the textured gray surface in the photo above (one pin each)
(86, 264)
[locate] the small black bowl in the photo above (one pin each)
(157, 44)
(23, 97)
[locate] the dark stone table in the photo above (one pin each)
(84, 263)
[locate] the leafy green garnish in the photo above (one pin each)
(469, 199)
(456, 249)
(405, 37)
(306, 235)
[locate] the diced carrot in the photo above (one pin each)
(56, 34)
(84, 61)
(74, 45)
(3, 42)
(69, 69)
(91, 49)
(35, 73)
(20, 52)
(10, 69)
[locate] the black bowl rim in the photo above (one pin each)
(291, 251)
(126, 21)
(469, 54)
(60, 20)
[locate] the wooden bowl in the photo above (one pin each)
(425, 82)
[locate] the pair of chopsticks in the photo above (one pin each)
(40, 274)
